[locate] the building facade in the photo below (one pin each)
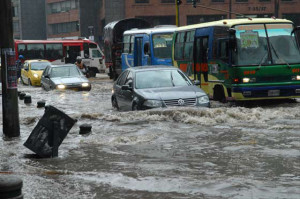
(29, 19)
(86, 18)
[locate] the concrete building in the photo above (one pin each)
(29, 19)
(73, 18)
(84, 18)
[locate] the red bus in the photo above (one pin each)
(63, 52)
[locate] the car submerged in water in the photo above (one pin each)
(67, 76)
(146, 87)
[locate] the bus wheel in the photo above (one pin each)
(92, 73)
(219, 94)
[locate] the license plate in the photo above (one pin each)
(273, 93)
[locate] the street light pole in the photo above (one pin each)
(177, 12)
(10, 110)
(230, 5)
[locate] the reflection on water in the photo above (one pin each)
(221, 152)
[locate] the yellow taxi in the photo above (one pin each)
(32, 71)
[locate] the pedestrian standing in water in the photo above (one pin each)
(19, 64)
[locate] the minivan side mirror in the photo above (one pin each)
(297, 28)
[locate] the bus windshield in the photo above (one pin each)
(162, 45)
(265, 44)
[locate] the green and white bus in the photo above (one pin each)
(241, 59)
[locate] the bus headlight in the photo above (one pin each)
(247, 80)
(296, 77)
(61, 86)
(35, 75)
(203, 99)
(153, 103)
(85, 84)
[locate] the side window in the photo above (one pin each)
(179, 46)
(188, 45)
(46, 71)
(26, 66)
(22, 50)
(126, 44)
(86, 50)
(121, 79)
(223, 49)
(129, 79)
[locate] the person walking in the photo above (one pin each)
(82, 66)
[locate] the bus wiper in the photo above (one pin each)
(262, 60)
(280, 58)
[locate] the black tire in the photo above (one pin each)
(135, 107)
(114, 103)
(92, 73)
(219, 94)
(22, 80)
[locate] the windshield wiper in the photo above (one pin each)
(280, 58)
(262, 60)
(172, 79)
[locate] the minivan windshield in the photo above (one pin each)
(265, 44)
(160, 79)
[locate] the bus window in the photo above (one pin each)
(54, 51)
(252, 46)
(126, 44)
(162, 45)
(22, 50)
(188, 46)
(179, 46)
(35, 51)
(223, 49)
(283, 45)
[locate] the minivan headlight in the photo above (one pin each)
(203, 99)
(153, 103)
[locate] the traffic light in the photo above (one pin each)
(178, 2)
(194, 3)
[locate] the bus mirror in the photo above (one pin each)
(232, 38)
(297, 28)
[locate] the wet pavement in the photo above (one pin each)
(227, 151)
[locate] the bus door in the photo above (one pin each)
(71, 53)
(201, 60)
(138, 51)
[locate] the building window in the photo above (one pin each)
(191, 1)
(64, 27)
(16, 27)
(286, 0)
(167, 1)
(64, 6)
(141, 1)
(217, 0)
(264, 0)
(238, 1)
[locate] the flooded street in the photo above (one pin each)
(220, 152)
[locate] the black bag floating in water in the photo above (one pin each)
(50, 132)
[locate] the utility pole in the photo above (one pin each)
(177, 3)
(230, 9)
(10, 110)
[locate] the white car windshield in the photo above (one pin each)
(160, 79)
(39, 65)
(65, 71)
